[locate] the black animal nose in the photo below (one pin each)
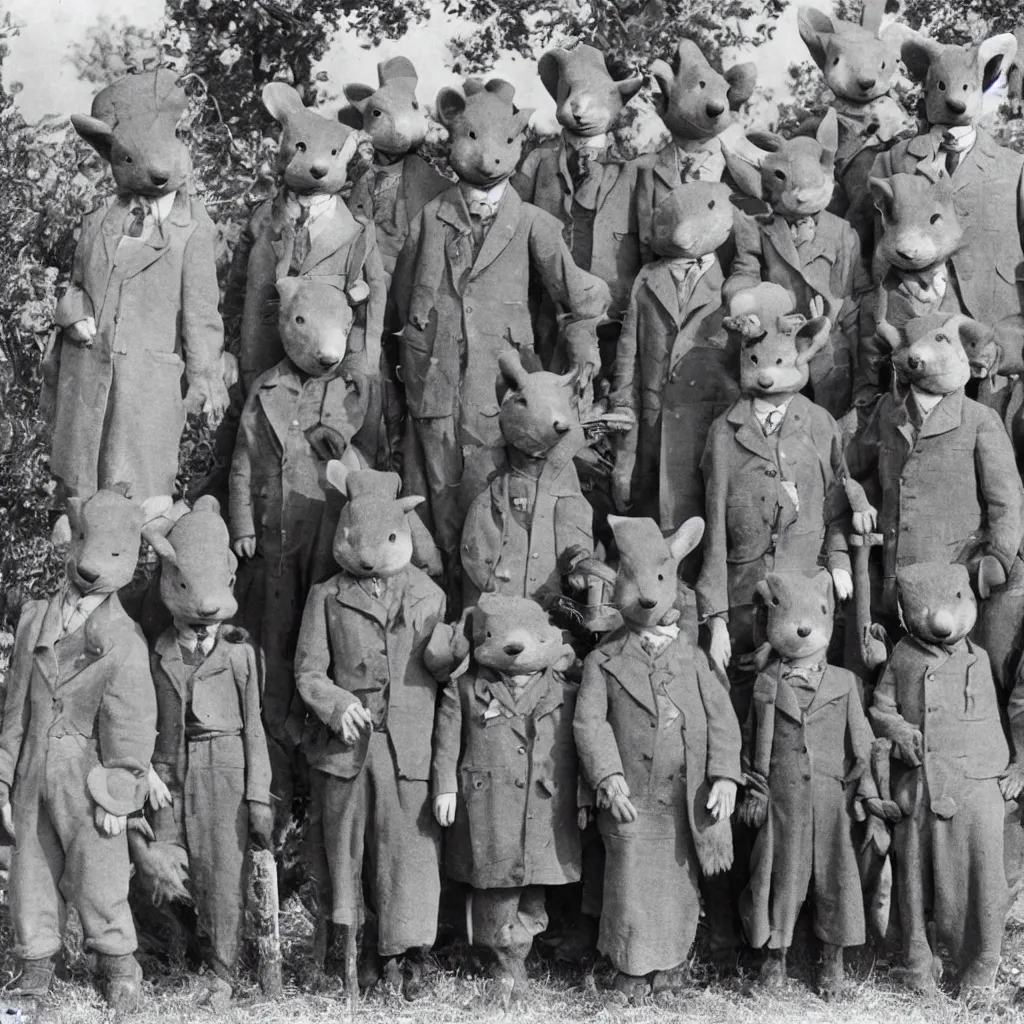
(513, 649)
(366, 566)
(866, 83)
(647, 602)
(88, 575)
(318, 172)
(956, 106)
(159, 179)
(903, 254)
(914, 362)
(803, 632)
(561, 427)
(497, 160)
(715, 109)
(327, 360)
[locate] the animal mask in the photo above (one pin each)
(315, 320)
(934, 357)
(920, 226)
(106, 531)
(859, 62)
(197, 566)
(776, 343)
(133, 126)
(795, 176)
(390, 114)
(695, 219)
(588, 100)
(374, 536)
(514, 636)
(936, 602)
(485, 130)
(800, 612)
(315, 152)
(696, 101)
(956, 78)
(538, 410)
(646, 586)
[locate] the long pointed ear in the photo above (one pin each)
(74, 513)
(882, 196)
(827, 137)
(686, 538)
(512, 371)
(661, 72)
(337, 475)
(287, 288)
(812, 338)
(281, 101)
(397, 69)
(358, 93)
(159, 506)
(995, 55)
(765, 589)
(549, 70)
(919, 53)
(972, 333)
(629, 87)
(742, 79)
(448, 105)
(815, 30)
(408, 504)
(97, 133)
(766, 141)
(163, 547)
(872, 14)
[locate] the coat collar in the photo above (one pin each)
(112, 231)
(99, 641)
(167, 649)
(822, 246)
(946, 416)
(632, 666)
(748, 430)
(832, 687)
(350, 592)
(976, 164)
(610, 171)
(552, 698)
(452, 210)
(282, 385)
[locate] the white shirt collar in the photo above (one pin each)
(189, 639)
(585, 142)
(963, 135)
(161, 208)
(763, 409)
(925, 401)
(490, 195)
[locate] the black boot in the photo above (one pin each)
(334, 950)
(415, 975)
(773, 971)
(34, 978)
(120, 981)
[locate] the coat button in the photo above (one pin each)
(469, 309)
(807, 776)
(520, 784)
(771, 472)
(522, 750)
(295, 423)
(931, 677)
(536, 554)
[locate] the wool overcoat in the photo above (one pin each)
(119, 405)
(677, 372)
(805, 850)
(453, 311)
(517, 780)
(347, 649)
(753, 525)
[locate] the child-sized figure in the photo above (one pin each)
(505, 776)
(802, 247)
(459, 299)
(297, 417)
(582, 178)
(660, 744)
(78, 727)
(400, 183)
(805, 737)
(774, 473)
(530, 524)
(676, 368)
(359, 668)
(140, 314)
(698, 106)
(210, 787)
(937, 703)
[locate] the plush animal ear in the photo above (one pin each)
(287, 288)
(686, 538)
(765, 589)
(521, 119)
(629, 87)
(97, 133)
(742, 79)
(160, 505)
(571, 379)
(549, 70)
(350, 118)
(995, 55)
(816, 29)
(357, 93)
(874, 12)
(396, 69)
(163, 547)
(767, 142)
(919, 53)
(882, 196)
(505, 91)
(827, 137)
(971, 332)
(512, 371)
(812, 338)
(74, 513)
(408, 504)
(281, 101)
(450, 103)
(661, 72)
(337, 475)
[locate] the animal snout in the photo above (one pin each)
(715, 109)
(914, 363)
(942, 623)
(88, 574)
(765, 380)
(647, 603)
(318, 170)
(803, 632)
(957, 106)
(208, 609)
(366, 566)
(866, 83)
(906, 254)
(159, 178)
(513, 648)
(561, 427)
(327, 359)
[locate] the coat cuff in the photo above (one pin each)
(443, 780)
(257, 791)
(240, 521)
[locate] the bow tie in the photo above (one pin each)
(772, 421)
(136, 219)
(805, 677)
(484, 210)
(680, 269)
(803, 230)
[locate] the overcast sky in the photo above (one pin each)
(49, 27)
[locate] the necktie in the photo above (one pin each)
(300, 249)
(773, 421)
(136, 219)
(954, 148)
(483, 210)
(802, 230)
(581, 169)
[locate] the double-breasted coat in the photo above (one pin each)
(453, 310)
(949, 490)
(830, 266)
(753, 525)
(119, 408)
(72, 703)
(811, 759)
(677, 372)
(516, 776)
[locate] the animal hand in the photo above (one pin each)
(244, 547)
(444, 809)
(82, 332)
(261, 825)
(816, 307)
(842, 582)
(867, 521)
(722, 799)
(114, 824)
(326, 442)
(876, 834)
(137, 823)
(719, 646)
(229, 369)
(1011, 782)
(991, 575)
(209, 397)
(753, 809)
(887, 810)
(613, 795)
(354, 720)
(584, 816)
(909, 746)
(159, 795)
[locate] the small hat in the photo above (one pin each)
(117, 790)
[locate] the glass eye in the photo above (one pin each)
(415, 105)
(128, 159)
(300, 147)
(300, 319)
(392, 538)
(753, 359)
(334, 152)
(378, 113)
(942, 86)
(472, 135)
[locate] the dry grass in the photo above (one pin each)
(464, 996)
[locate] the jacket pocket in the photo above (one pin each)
(494, 833)
(749, 533)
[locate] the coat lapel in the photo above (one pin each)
(171, 662)
(833, 686)
(341, 230)
(663, 288)
(785, 698)
(277, 399)
(631, 668)
(49, 633)
(501, 232)
(748, 430)
(160, 237)
(776, 230)
(706, 292)
(97, 629)
(610, 172)
(451, 210)
(946, 416)
(351, 594)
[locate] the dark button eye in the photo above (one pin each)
(936, 218)
(334, 152)
(753, 359)
(703, 85)
(378, 113)
(415, 105)
(128, 160)
(778, 362)
(300, 147)
(781, 175)
(300, 319)
(711, 205)
(661, 578)
(510, 141)
(883, 65)
(393, 538)
(472, 135)
(184, 585)
(775, 601)
(942, 86)
(824, 610)
(835, 61)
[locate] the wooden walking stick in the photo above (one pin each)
(873, 651)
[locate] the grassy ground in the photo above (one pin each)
(465, 996)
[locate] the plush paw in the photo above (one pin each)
(830, 973)
(773, 971)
